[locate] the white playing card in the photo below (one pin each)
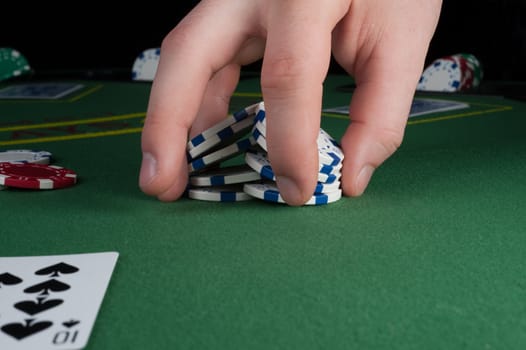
(51, 302)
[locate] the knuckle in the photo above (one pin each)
(282, 73)
(172, 39)
(391, 139)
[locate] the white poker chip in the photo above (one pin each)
(216, 129)
(229, 193)
(259, 162)
(329, 152)
(226, 176)
(329, 178)
(261, 108)
(222, 154)
(441, 75)
(145, 65)
(260, 138)
(228, 134)
(323, 168)
(326, 188)
(269, 192)
(255, 178)
(25, 156)
(330, 169)
(260, 123)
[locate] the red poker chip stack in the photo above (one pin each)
(35, 176)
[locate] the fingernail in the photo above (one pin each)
(289, 190)
(364, 176)
(148, 169)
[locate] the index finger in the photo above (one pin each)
(202, 43)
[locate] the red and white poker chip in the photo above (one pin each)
(36, 176)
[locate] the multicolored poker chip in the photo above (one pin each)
(458, 72)
(36, 176)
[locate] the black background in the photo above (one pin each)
(102, 38)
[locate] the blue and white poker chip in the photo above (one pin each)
(222, 154)
(226, 176)
(323, 168)
(260, 138)
(255, 178)
(230, 133)
(218, 128)
(25, 156)
(229, 193)
(327, 187)
(329, 151)
(269, 192)
(441, 75)
(260, 163)
(260, 121)
(328, 169)
(145, 65)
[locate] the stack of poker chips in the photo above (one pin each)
(459, 72)
(30, 169)
(244, 134)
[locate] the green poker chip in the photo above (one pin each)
(12, 64)
(476, 66)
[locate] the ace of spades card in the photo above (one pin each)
(51, 302)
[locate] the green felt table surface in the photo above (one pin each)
(432, 256)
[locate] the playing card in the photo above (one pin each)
(51, 302)
(419, 106)
(49, 91)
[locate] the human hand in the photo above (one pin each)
(381, 43)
